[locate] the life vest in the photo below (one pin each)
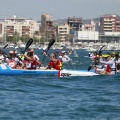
(57, 65)
(51, 64)
(12, 63)
(107, 68)
(22, 57)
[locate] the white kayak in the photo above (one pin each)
(68, 73)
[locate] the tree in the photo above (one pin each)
(67, 37)
(16, 36)
(36, 33)
(58, 38)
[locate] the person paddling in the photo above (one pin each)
(13, 61)
(108, 66)
(30, 61)
(54, 63)
(117, 62)
(65, 58)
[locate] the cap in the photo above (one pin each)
(107, 55)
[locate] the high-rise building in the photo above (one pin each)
(109, 23)
(47, 28)
(118, 25)
(75, 24)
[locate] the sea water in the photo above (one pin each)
(52, 98)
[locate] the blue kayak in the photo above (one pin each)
(6, 70)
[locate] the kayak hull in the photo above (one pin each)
(68, 73)
(6, 70)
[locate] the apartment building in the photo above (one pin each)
(109, 28)
(118, 25)
(63, 32)
(89, 26)
(1, 29)
(47, 28)
(14, 25)
(75, 24)
(109, 23)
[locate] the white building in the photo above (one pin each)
(63, 32)
(89, 36)
(24, 27)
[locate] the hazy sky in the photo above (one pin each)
(59, 9)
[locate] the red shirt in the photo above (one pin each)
(31, 64)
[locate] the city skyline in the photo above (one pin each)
(58, 9)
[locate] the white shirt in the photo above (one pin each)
(1, 58)
(65, 58)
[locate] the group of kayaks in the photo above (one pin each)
(6, 70)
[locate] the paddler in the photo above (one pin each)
(113, 56)
(13, 61)
(31, 62)
(108, 66)
(54, 63)
(64, 56)
(117, 62)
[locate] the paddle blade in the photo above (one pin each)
(52, 41)
(29, 42)
(89, 68)
(101, 47)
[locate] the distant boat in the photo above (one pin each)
(91, 49)
(22, 45)
(11, 45)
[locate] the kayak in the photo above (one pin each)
(68, 73)
(6, 70)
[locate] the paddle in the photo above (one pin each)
(29, 42)
(52, 41)
(101, 47)
(91, 66)
(5, 46)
